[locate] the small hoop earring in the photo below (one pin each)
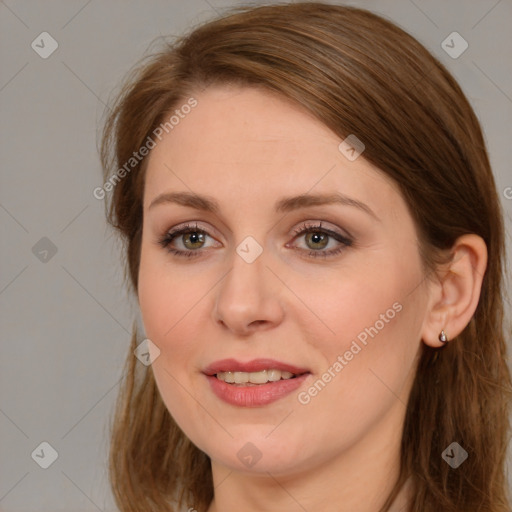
(442, 337)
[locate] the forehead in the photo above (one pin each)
(246, 139)
(231, 122)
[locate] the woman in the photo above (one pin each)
(315, 241)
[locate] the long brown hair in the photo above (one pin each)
(357, 73)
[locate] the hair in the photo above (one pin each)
(358, 74)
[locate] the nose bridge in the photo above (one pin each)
(245, 282)
(247, 294)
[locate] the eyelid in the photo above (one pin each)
(191, 226)
(320, 226)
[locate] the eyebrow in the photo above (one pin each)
(286, 204)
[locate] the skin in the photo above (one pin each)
(247, 148)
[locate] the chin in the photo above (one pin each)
(258, 454)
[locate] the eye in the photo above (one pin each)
(191, 238)
(317, 238)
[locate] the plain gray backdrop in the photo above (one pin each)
(65, 316)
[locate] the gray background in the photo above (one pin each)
(66, 321)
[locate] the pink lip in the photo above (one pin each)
(254, 396)
(256, 365)
(258, 395)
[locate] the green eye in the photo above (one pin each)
(195, 238)
(317, 238)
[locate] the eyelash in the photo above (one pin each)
(305, 228)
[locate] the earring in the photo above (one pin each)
(442, 337)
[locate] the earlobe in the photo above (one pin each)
(457, 292)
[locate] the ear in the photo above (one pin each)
(454, 295)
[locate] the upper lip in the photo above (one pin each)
(255, 365)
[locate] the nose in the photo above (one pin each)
(248, 299)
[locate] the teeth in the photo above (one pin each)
(274, 375)
(228, 377)
(241, 377)
(261, 377)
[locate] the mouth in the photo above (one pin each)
(257, 371)
(254, 383)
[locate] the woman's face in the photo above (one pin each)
(266, 287)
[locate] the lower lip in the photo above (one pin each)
(255, 396)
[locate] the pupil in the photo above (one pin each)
(317, 238)
(194, 238)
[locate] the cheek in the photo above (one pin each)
(166, 297)
(358, 305)
(171, 325)
(170, 303)
(369, 336)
